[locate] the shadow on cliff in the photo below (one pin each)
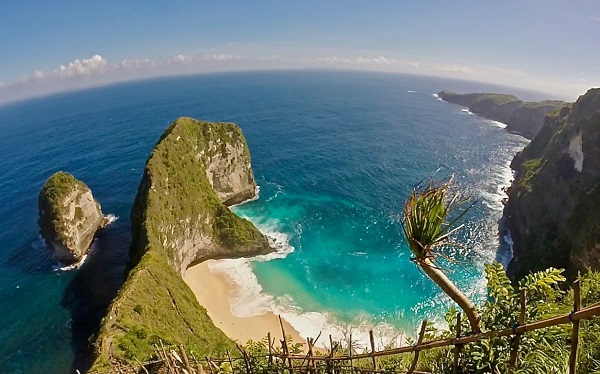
(93, 287)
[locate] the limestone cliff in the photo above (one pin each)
(179, 218)
(523, 118)
(195, 169)
(553, 208)
(69, 217)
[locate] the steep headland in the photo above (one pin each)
(180, 218)
(523, 118)
(69, 216)
(553, 208)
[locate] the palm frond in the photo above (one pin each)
(425, 225)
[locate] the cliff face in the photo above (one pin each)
(523, 118)
(68, 216)
(194, 170)
(528, 119)
(179, 218)
(553, 208)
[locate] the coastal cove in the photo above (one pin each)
(334, 155)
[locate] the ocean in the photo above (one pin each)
(335, 153)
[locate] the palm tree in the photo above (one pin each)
(426, 228)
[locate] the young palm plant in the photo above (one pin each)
(427, 229)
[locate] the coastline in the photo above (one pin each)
(212, 290)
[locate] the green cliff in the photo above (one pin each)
(180, 218)
(523, 118)
(553, 208)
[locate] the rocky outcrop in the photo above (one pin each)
(195, 170)
(69, 217)
(553, 208)
(528, 119)
(523, 118)
(179, 218)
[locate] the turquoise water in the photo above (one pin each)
(334, 153)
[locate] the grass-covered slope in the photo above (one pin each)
(155, 305)
(554, 203)
(178, 219)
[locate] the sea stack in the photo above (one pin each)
(69, 217)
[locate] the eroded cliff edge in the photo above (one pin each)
(179, 218)
(523, 118)
(553, 207)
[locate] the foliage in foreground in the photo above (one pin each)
(544, 351)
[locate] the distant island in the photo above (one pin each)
(525, 118)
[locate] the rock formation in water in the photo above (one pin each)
(523, 118)
(553, 208)
(69, 217)
(180, 218)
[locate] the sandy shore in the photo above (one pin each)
(211, 290)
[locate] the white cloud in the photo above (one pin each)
(180, 59)
(83, 67)
(365, 61)
(76, 68)
(135, 64)
(190, 60)
(96, 70)
(456, 69)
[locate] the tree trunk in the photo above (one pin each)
(455, 294)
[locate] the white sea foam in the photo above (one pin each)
(278, 192)
(495, 192)
(249, 300)
(466, 110)
(110, 218)
(508, 240)
(256, 197)
(498, 124)
(76, 265)
(61, 267)
(435, 95)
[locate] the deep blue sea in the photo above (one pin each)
(334, 153)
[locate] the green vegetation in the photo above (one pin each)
(498, 99)
(540, 351)
(56, 188)
(470, 99)
(59, 185)
(530, 169)
(176, 206)
(156, 305)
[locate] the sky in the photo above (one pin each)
(51, 46)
